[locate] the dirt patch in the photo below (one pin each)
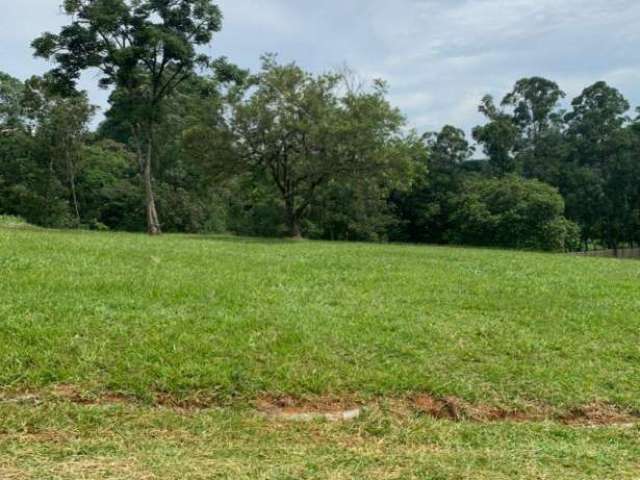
(598, 414)
(345, 408)
(448, 408)
(319, 408)
(293, 404)
(65, 393)
(455, 409)
(73, 394)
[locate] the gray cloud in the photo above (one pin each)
(439, 56)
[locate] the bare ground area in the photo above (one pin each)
(285, 407)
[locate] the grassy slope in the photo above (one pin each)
(233, 319)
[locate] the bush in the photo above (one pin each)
(514, 213)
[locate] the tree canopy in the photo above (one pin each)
(145, 49)
(191, 143)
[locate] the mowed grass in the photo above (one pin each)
(232, 320)
(73, 442)
(237, 318)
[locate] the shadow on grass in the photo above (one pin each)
(228, 238)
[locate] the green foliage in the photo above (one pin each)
(304, 134)
(512, 212)
(285, 152)
(534, 102)
(28, 187)
(597, 115)
(351, 212)
(426, 209)
(589, 153)
(109, 189)
(499, 137)
(603, 165)
(147, 46)
(11, 111)
(145, 49)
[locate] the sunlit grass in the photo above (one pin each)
(232, 319)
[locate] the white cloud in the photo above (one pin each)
(439, 56)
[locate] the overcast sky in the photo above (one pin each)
(439, 56)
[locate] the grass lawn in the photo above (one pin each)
(219, 322)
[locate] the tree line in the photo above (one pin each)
(191, 143)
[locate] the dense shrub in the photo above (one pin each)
(514, 213)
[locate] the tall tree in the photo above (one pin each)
(596, 118)
(534, 101)
(30, 186)
(448, 148)
(145, 48)
(541, 147)
(425, 211)
(61, 127)
(305, 134)
(498, 137)
(11, 114)
(601, 152)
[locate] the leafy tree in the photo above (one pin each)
(61, 128)
(29, 185)
(596, 118)
(301, 131)
(603, 164)
(191, 192)
(499, 137)
(50, 171)
(448, 148)
(584, 196)
(360, 208)
(534, 101)
(11, 114)
(109, 189)
(352, 212)
(425, 211)
(145, 48)
(541, 148)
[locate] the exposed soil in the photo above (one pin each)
(72, 394)
(294, 409)
(345, 408)
(599, 414)
(299, 405)
(455, 409)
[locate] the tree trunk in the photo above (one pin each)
(294, 230)
(72, 185)
(292, 219)
(153, 224)
(74, 196)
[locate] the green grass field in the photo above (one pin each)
(123, 356)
